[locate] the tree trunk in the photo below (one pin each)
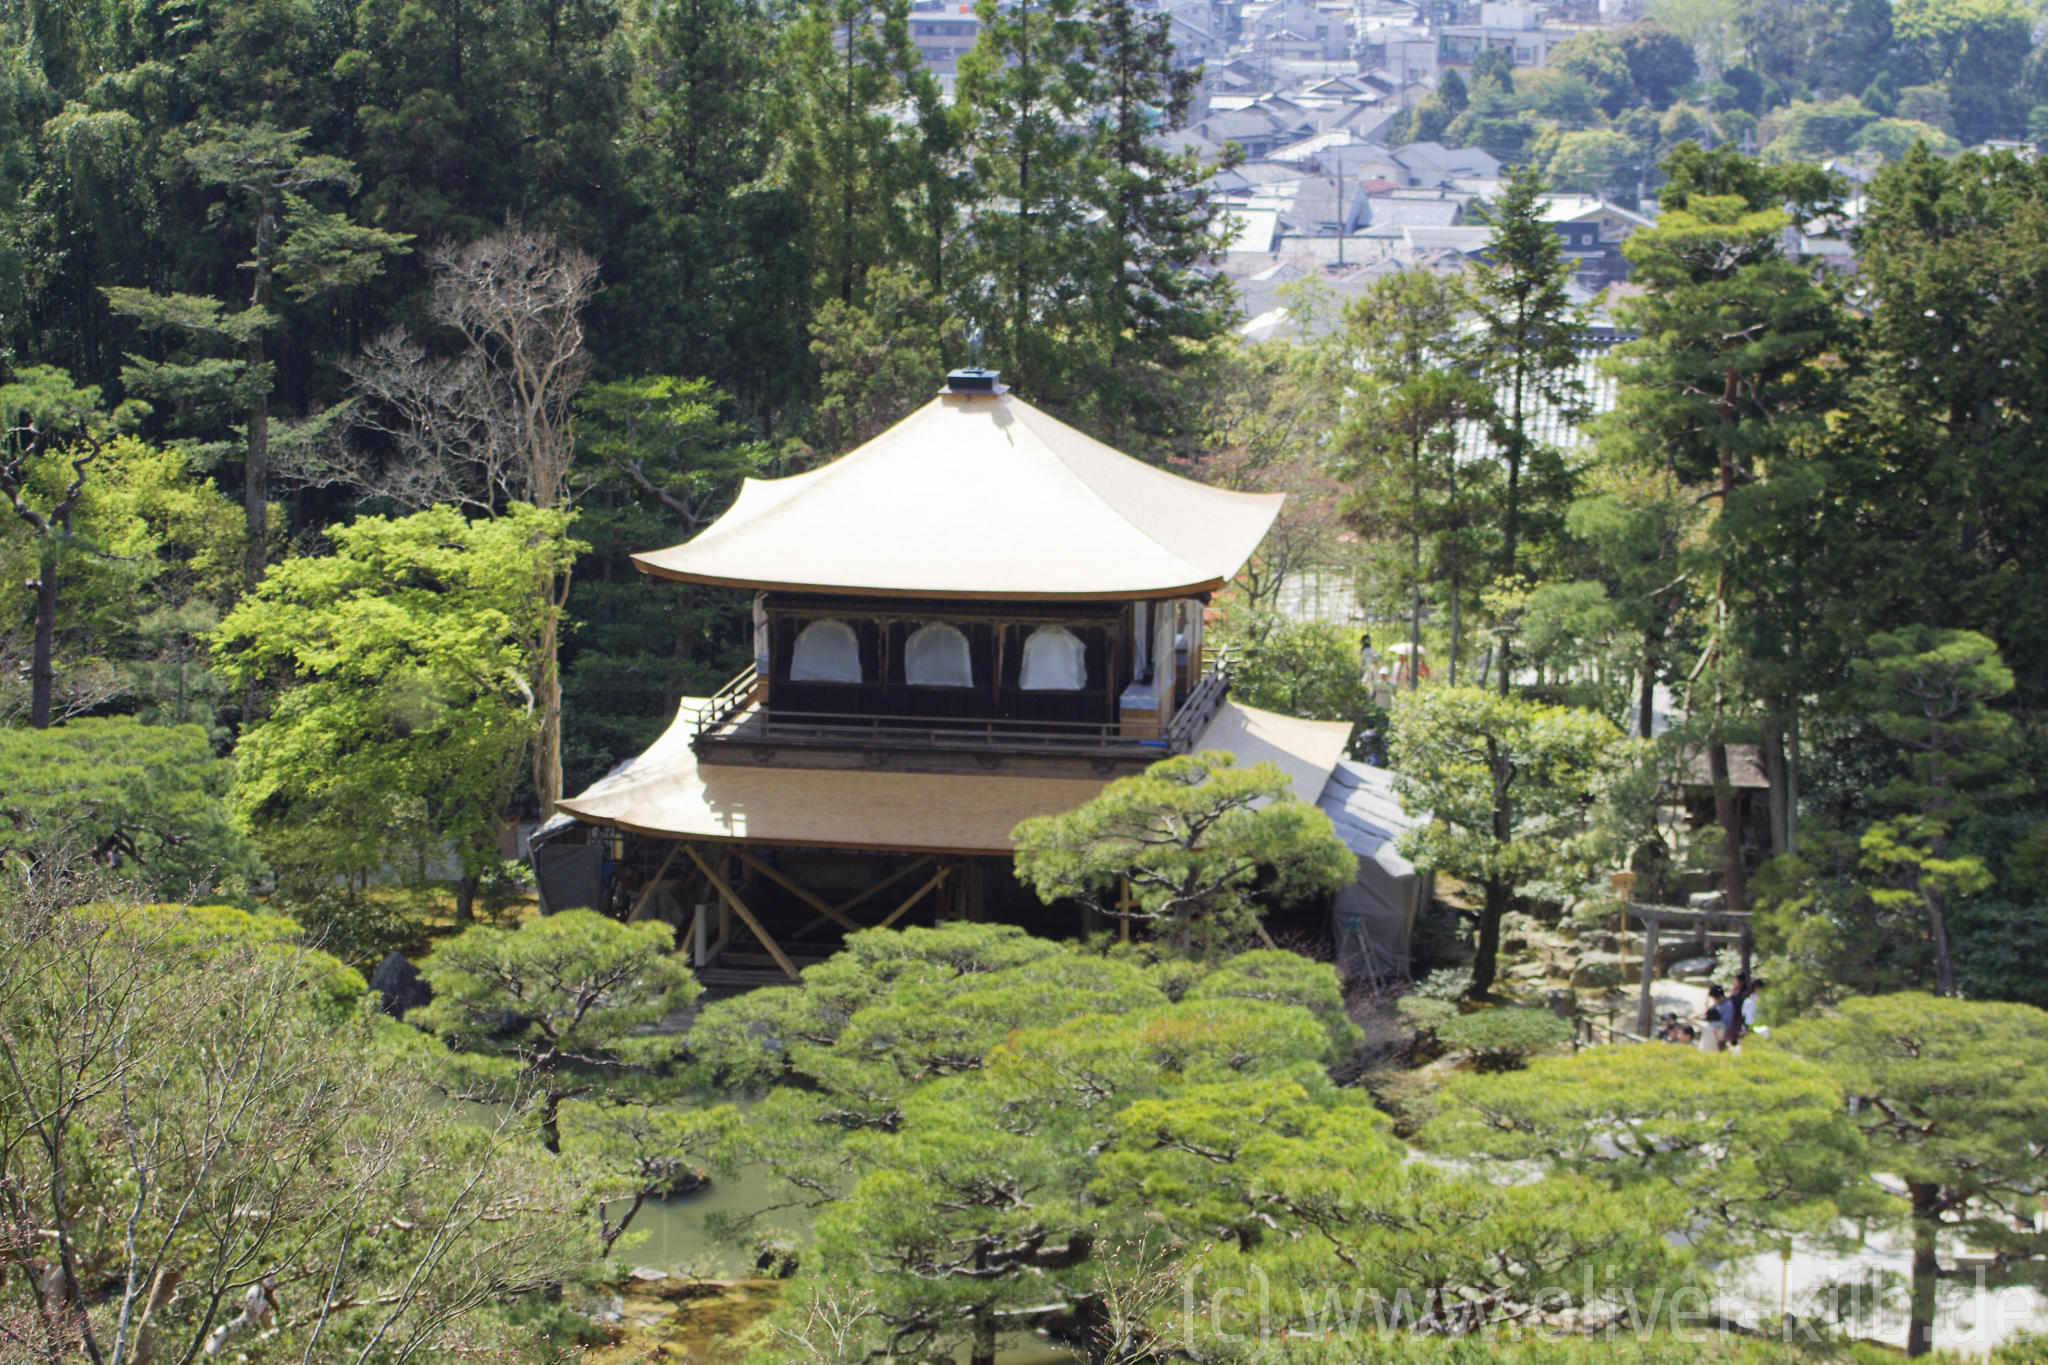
(1926, 1268)
(610, 1232)
(547, 699)
(1646, 697)
(1725, 810)
(1486, 953)
(42, 670)
(1937, 923)
(983, 1351)
(1775, 773)
(551, 1123)
(256, 461)
(1415, 616)
(1451, 677)
(1792, 783)
(465, 898)
(1735, 882)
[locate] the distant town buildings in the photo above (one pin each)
(1301, 108)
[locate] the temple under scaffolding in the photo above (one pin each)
(979, 616)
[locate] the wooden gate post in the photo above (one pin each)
(1645, 1006)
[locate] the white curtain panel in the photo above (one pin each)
(935, 655)
(826, 651)
(1054, 661)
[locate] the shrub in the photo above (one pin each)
(1504, 1039)
(1445, 983)
(1425, 1013)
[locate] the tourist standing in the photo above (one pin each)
(1747, 1021)
(1714, 1020)
(1737, 1016)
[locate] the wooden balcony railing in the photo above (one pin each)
(732, 716)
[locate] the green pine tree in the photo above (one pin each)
(1526, 355)
(266, 174)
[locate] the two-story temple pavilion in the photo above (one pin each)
(980, 615)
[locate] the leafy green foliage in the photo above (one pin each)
(1851, 913)
(1309, 669)
(1287, 979)
(168, 1071)
(1508, 785)
(1397, 443)
(408, 656)
(980, 1118)
(1525, 351)
(1200, 843)
(1759, 1145)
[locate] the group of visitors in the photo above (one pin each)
(1728, 1015)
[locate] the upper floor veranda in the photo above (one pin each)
(1032, 687)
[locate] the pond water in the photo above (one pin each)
(675, 1238)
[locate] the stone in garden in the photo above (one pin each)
(1597, 969)
(398, 986)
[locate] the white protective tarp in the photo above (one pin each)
(826, 651)
(1055, 660)
(936, 655)
(1375, 912)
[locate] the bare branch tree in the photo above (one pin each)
(191, 1144)
(488, 425)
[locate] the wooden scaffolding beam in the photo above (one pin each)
(828, 911)
(845, 907)
(916, 896)
(746, 916)
(654, 882)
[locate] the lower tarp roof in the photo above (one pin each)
(666, 793)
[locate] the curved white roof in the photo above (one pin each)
(977, 495)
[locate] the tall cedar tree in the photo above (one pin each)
(1525, 354)
(1028, 84)
(942, 181)
(1158, 229)
(1940, 436)
(1928, 692)
(469, 113)
(1722, 380)
(847, 66)
(1397, 443)
(721, 286)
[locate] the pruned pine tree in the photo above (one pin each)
(52, 432)
(1200, 844)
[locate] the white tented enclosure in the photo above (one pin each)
(935, 655)
(826, 651)
(1373, 917)
(1055, 660)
